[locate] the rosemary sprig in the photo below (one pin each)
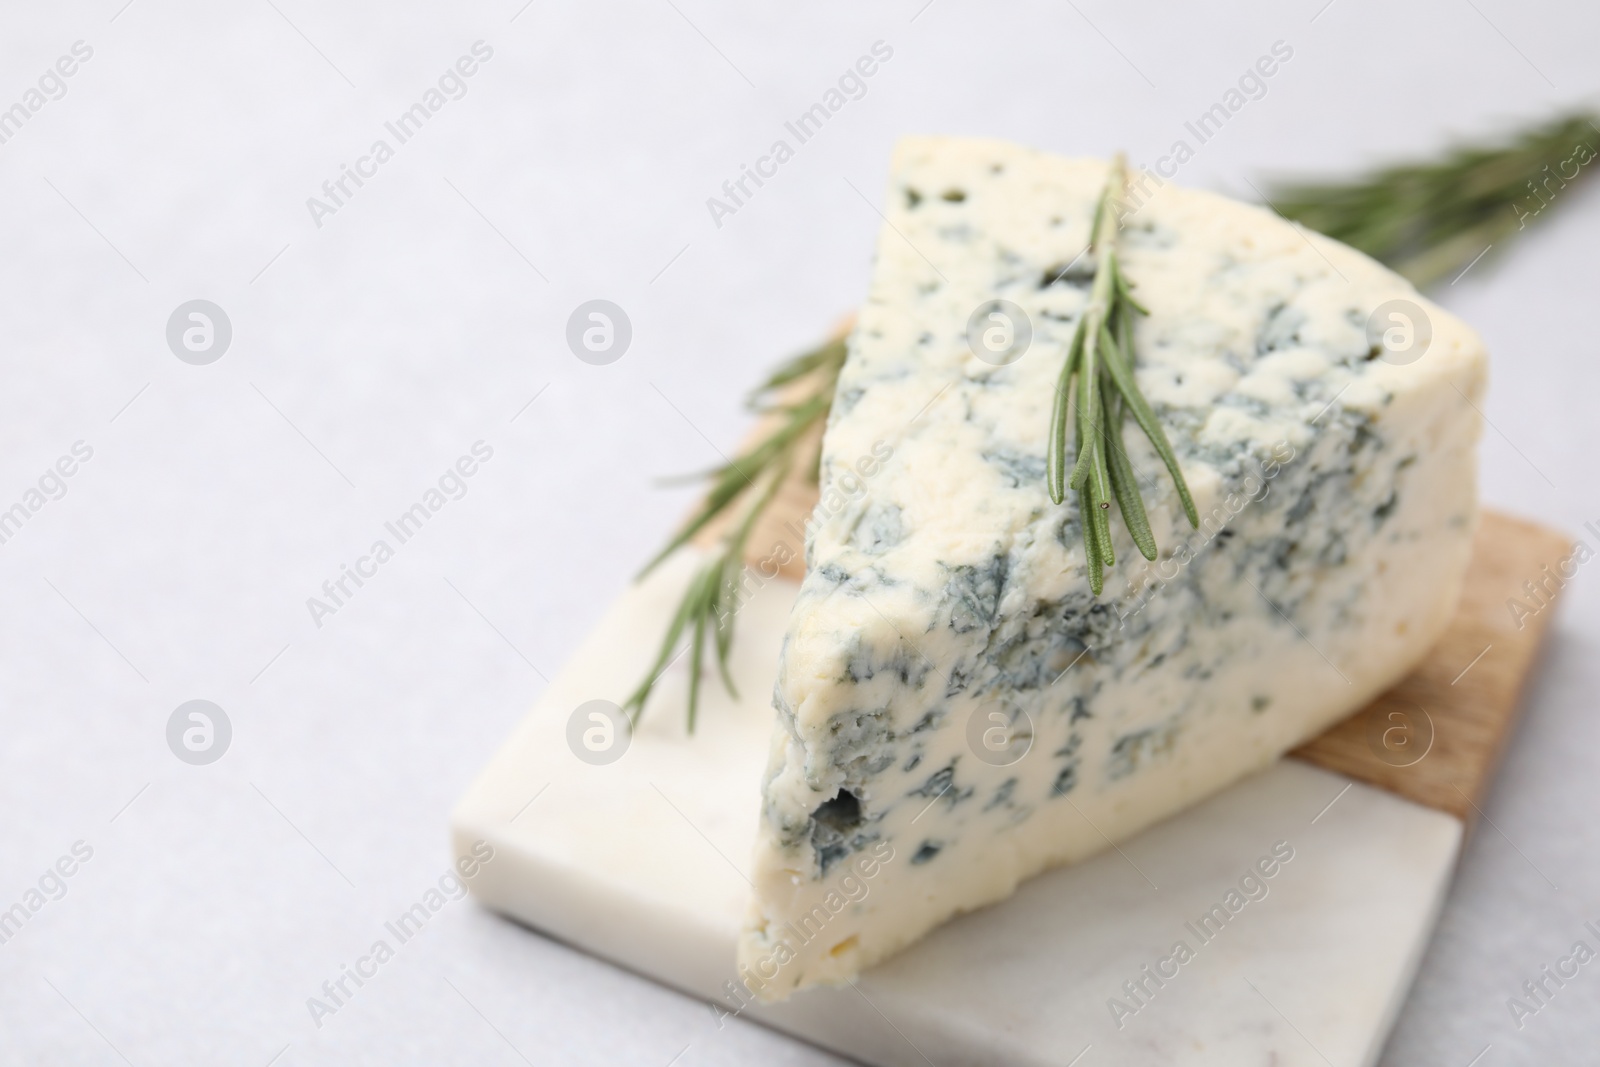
(1098, 389)
(1433, 219)
(796, 398)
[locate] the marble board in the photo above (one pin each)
(638, 857)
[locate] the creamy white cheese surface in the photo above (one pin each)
(954, 707)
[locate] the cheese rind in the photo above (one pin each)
(956, 710)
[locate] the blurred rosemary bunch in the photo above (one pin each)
(1431, 220)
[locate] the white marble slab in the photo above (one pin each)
(640, 861)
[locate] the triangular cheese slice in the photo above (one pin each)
(956, 710)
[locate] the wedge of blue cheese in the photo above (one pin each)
(956, 710)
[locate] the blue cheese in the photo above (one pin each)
(955, 710)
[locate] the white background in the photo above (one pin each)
(425, 314)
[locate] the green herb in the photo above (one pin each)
(797, 398)
(1434, 219)
(1098, 389)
